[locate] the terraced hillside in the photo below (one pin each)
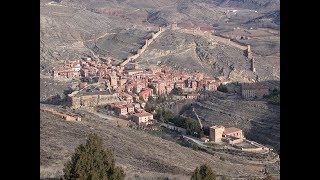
(259, 121)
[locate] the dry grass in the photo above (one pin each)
(136, 151)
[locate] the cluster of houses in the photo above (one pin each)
(125, 89)
(133, 112)
(132, 79)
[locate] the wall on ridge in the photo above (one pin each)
(143, 48)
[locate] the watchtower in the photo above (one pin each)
(216, 133)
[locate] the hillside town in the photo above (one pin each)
(126, 89)
(160, 89)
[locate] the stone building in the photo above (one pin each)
(66, 73)
(143, 117)
(230, 135)
(130, 108)
(180, 84)
(113, 79)
(146, 93)
(160, 87)
(174, 26)
(192, 96)
(252, 90)
(234, 132)
(120, 110)
(216, 133)
(91, 99)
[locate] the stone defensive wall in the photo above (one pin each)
(92, 100)
(221, 39)
(207, 34)
(257, 147)
(61, 114)
(144, 47)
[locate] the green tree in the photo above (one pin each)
(206, 130)
(201, 134)
(150, 99)
(203, 173)
(274, 97)
(177, 91)
(91, 161)
(134, 90)
(159, 115)
(149, 107)
(153, 88)
(141, 98)
(275, 91)
(222, 88)
(161, 99)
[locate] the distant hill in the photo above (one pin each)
(274, 15)
(246, 4)
(269, 20)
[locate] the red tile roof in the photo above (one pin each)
(231, 130)
(143, 114)
(146, 91)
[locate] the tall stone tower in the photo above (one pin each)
(249, 48)
(216, 133)
(113, 79)
(252, 65)
(249, 53)
(174, 26)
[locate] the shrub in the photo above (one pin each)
(92, 161)
(203, 173)
(222, 88)
(150, 98)
(177, 91)
(141, 98)
(153, 88)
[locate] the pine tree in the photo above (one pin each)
(92, 162)
(203, 173)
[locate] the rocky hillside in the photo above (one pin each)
(71, 29)
(139, 153)
(259, 120)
